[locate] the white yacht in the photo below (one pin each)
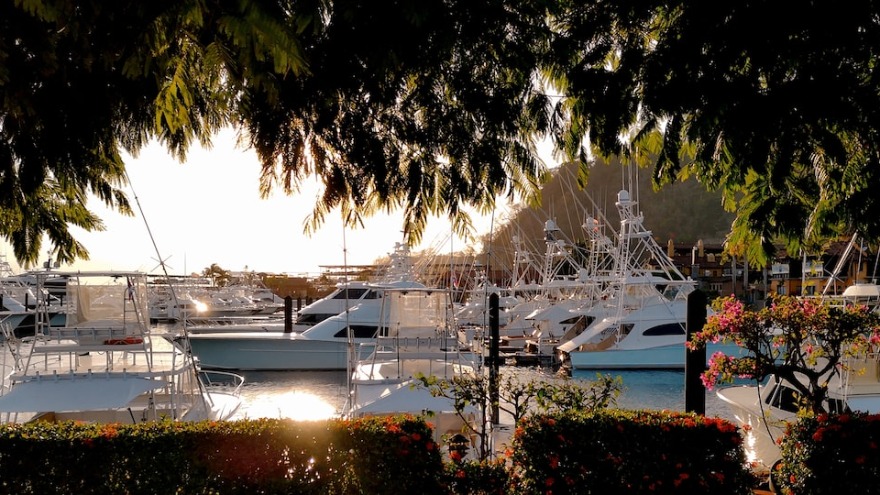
(385, 377)
(323, 346)
(320, 336)
(640, 319)
(106, 366)
(764, 410)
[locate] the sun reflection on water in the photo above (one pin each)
(296, 405)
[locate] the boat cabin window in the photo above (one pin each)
(785, 398)
(312, 318)
(788, 399)
(372, 294)
(358, 332)
(667, 329)
(351, 293)
(574, 319)
(836, 406)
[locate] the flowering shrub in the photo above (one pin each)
(267, 456)
(625, 452)
(798, 340)
(393, 454)
(486, 477)
(830, 454)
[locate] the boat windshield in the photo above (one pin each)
(350, 293)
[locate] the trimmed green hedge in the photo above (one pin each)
(245, 457)
(609, 452)
(624, 452)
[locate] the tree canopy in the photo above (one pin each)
(431, 105)
(420, 105)
(774, 103)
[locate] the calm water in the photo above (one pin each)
(319, 395)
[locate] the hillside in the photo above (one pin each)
(684, 212)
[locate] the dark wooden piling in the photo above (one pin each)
(288, 314)
(695, 361)
(494, 356)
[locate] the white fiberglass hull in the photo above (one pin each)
(759, 433)
(268, 351)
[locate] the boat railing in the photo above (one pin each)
(230, 382)
(405, 345)
(162, 375)
(404, 349)
(120, 334)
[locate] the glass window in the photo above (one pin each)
(666, 329)
(358, 332)
(373, 294)
(350, 293)
(785, 398)
(312, 318)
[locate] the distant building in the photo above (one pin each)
(721, 275)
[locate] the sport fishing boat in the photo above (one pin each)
(105, 365)
(765, 409)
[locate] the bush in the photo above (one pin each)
(367, 456)
(629, 452)
(830, 454)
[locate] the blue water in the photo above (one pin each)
(656, 389)
(320, 395)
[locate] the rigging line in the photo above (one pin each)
(351, 351)
(874, 271)
(137, 201)
(187, 348)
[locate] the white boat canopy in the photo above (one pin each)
(393, 401)
(57, 394)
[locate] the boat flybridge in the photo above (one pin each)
(106, 365)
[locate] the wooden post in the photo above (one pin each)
(494, 356)
(695, 361)
(288, 314)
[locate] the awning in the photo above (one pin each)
(82, 393)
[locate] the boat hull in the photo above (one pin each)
(761, 428)
(267, 351)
